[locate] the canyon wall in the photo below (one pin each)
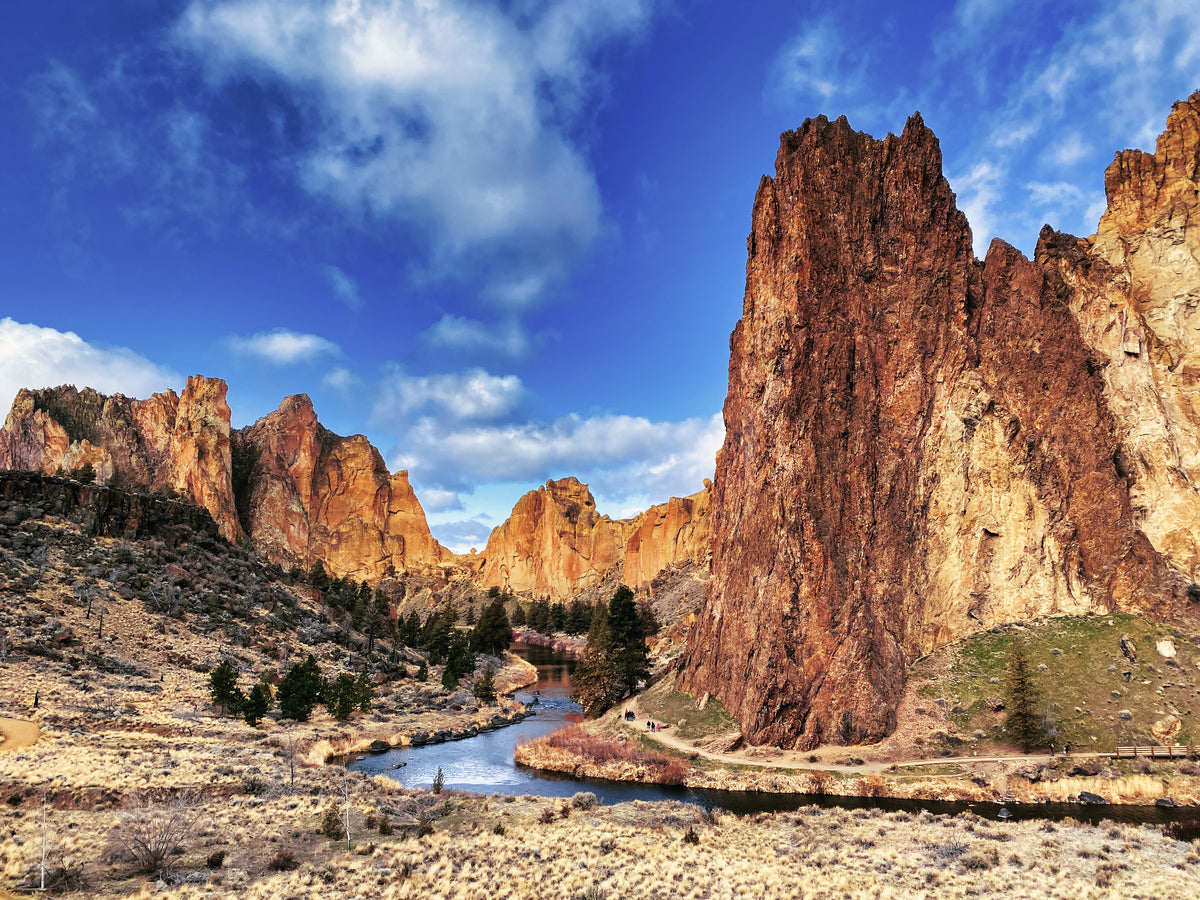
(300, 493)
(312, 495)
(555, 545)
(296, 490)
(919, 445)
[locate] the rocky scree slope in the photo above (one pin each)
(920, 445)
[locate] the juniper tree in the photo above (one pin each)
(592, 680)
(300, 690)
(485, 687)
(257, 704)
(1022, 722)
(222, 687)
(493, 633)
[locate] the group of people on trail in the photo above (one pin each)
(651, 725)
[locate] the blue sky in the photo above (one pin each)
(505, 240)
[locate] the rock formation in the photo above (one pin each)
(299, 492)
(668, 534)
(553, 545)
(312, 495)
(919, 445)
(167, 442)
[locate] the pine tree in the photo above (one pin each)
(222, 687)
(435, 636)
(579, 617)
(257, 703)
(627, 633)
(485, 687)
(518, 616)
(300, 690)
(340, 697)
(493, 633)
(411, 636)
(592, 680)
(1022, 722)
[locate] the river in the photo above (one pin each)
(484, 765)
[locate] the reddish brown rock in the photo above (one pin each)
(553, 545)
(668, 534)
(198, 463)
(300, 492)
(309, 494)
(917, 445)
(166, 442)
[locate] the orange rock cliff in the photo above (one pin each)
(297, 491)
(301, 493)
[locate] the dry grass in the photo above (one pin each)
(585, 754)
(647, 850)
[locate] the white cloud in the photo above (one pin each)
(1070, 150)
(978, 191)
(811, 63)
(454, 115)
(1061, 194)
(462, 536)
(472, 395)
(471, 335)
(341, 379)
(36, 357)
(344, 287)
(283, 347)
(435, 500)
(629, 461)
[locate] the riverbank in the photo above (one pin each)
(614, 749)
(465, 718)
(567, 646)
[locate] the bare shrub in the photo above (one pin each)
(284, 861)
(62, 879)
(547, 815)
(584, 800)
(150, 832)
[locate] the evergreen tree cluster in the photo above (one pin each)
(615, 658)
(300, 690)
(361, 608)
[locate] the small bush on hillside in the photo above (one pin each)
(150, 833)
(331, 824)
(284, 861)
(584, 800)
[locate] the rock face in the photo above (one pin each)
(553, 545)
(299, 492)
(312, 495)
(668, 534)
(167, 442)
(919, 445)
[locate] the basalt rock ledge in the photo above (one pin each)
(920, 444)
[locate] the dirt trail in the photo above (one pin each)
(795, 759)
(18, 733)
